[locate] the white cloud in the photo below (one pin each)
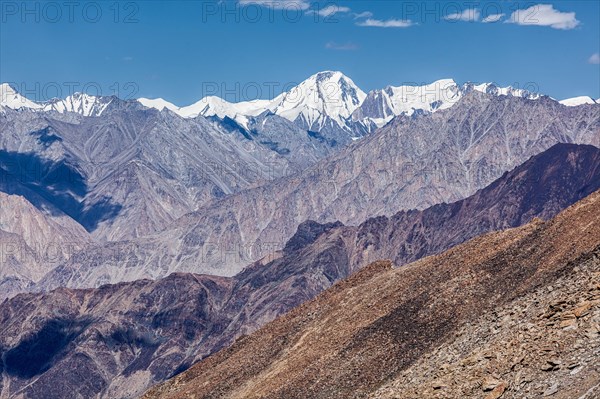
(390, 23)
(278, 4)
(364, 14)
(332, 10)
(469, 15)
(544, 15)
(594, 59)
(341, 47)
(492, 18)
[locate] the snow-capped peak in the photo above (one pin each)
(495, 90)
(575, 101)
(10, 98)
(216, 106)
(325, 95)
(381, 106)
(158, 103)
(80, 103)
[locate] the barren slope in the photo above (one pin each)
(366, 330)
(33, 242)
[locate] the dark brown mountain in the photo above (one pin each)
(400, 329)
(118, 340)
(111, 341)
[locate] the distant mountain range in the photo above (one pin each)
(165, 191)
(411, 163)
(327, 101)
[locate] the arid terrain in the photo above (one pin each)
(494, 316)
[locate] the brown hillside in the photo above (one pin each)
(367, 330)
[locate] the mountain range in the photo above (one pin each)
(131, 335)
(327, 101)
(411, 163)
(167, 190)
(139, 239)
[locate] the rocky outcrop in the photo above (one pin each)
(383, 322)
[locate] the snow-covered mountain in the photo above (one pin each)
(216, 106)
(10, 98)
(332, 102)
(493, 89)
(80, 103)
(575, 101)
(158, 103)
(381, 106)
(327, 102)
(322, 98)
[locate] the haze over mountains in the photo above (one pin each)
(128, 336)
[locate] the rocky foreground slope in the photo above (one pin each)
(544, 344)
(120, 339)
(390, 326)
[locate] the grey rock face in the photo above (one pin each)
(412, 163)
(125, 174)
(33, 242)
(132, 171)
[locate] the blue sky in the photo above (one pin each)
(242, 49)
